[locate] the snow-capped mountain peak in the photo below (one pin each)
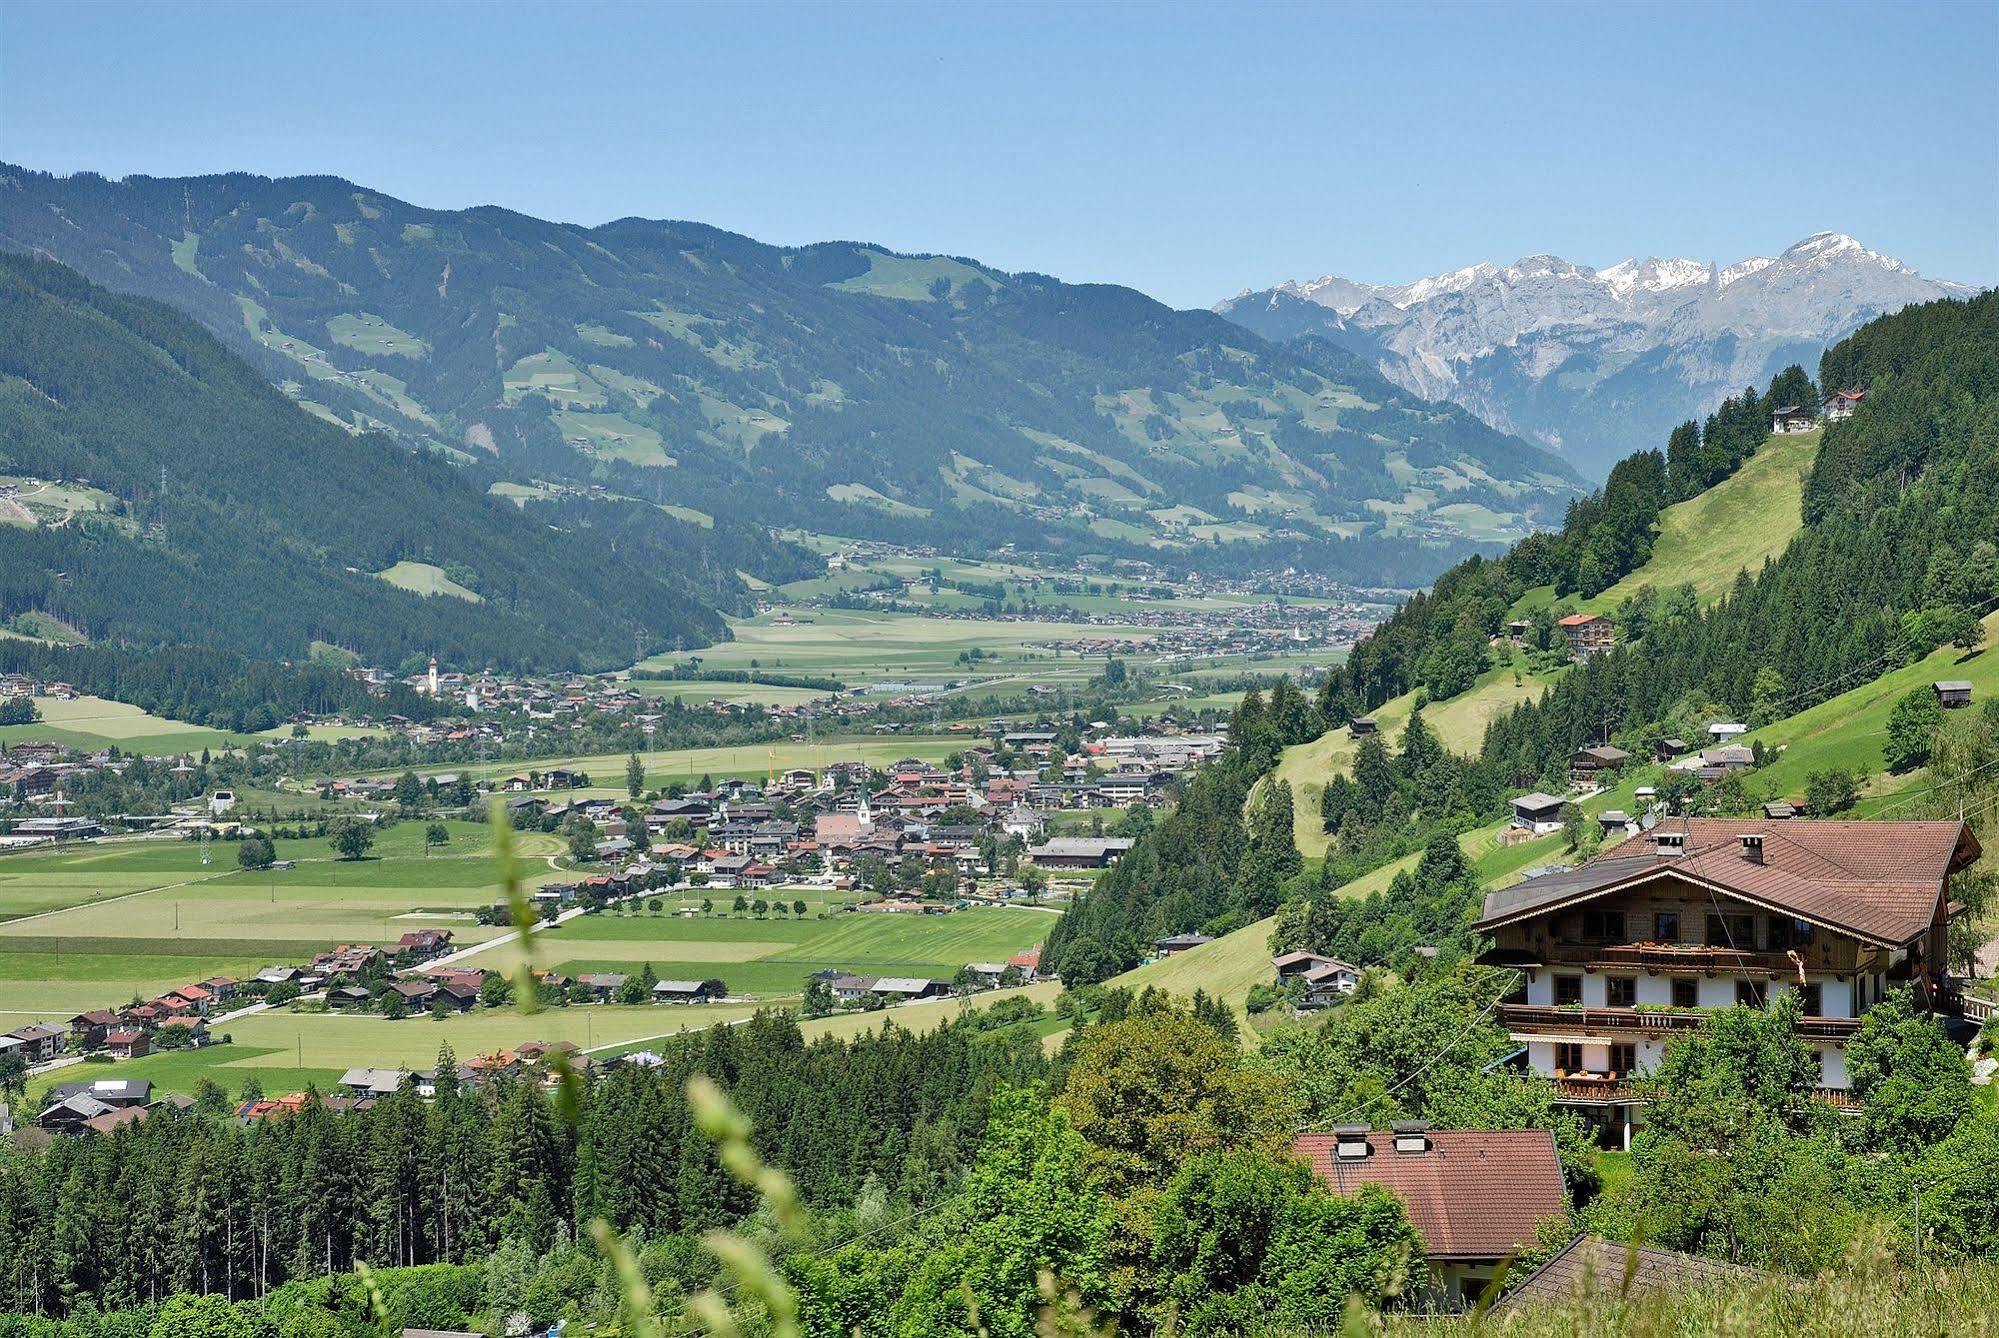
(1599, 363)
(1653, 275)
(1828, 248)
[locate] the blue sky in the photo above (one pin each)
(1186, 150)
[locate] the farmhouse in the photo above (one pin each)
(1080, 852)
(1538, 813)
(1589, 766)
(1840, 404)
(1179, 943)
(685, 991)
(1638, 944)
(1475, 1196)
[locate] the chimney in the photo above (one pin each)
(1350, 1142)
(1411, 1136)
(1672, 843)
(1752, 847)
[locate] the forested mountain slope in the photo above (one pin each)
(837, 387)
(212, 511)
(1896, 558)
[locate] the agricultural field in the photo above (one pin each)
(696, 691)
(771, 957)
(864, 646)
(94, 925)
(750, 761)
(91, 723)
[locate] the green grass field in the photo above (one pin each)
(606, 771)
(1851, 730)
(422, 578)
(91, 723)
(696, 691)
(1737, 525)
(96, 924)
(772, 957)
(859, 647)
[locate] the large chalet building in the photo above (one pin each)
(1634, 946)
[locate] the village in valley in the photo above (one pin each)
(719, 672)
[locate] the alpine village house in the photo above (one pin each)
(1636, 945)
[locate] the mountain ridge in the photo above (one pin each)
(212, 512)
(838, 387)
(1593, 362)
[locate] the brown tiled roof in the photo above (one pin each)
(1590, 1266)
(1880, 881)
(1476, 1194)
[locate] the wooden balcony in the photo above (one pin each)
(1691, 958)
(1645, 1021)
(1591, 1089)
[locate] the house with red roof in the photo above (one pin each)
(1644, 942)
(1476, 1196)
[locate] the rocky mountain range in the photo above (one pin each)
(1597, 363)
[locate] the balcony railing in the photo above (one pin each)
(1649, 1020)
(1615, 1090)
(1662, 958)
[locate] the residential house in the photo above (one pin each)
(1839, 405)
(127, 1043)
(1637, 945)
(423, 945)
(603, 985)
(1792, 418)
(985, 975)
(1329, 983)
(88, 1030)
(195, 1027)
(38, 1042)
(1175, 944)
(1028, 964)
(1587, 634)
(852, 989)
(1477, 1197)
(1592, 766)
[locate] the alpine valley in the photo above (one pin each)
(1595, 363)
